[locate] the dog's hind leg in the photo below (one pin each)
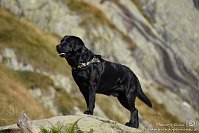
(123, 100)
(129, 103)
(134, 120)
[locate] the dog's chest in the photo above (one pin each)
(81, 76)
(87, 76)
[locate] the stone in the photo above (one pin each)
(26, 125)
(83, 123)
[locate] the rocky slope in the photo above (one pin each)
(158, 40)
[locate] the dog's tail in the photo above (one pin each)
(142, 96)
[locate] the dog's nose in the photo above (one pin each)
(58, 47)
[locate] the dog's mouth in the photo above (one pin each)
(62, 54)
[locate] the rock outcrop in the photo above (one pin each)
(70, 123)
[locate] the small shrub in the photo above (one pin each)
(60, 128)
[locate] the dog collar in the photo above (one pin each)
(81, 65)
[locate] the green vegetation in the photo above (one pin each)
(31, 44)
(36, 47)
(59, 128)
(15, 99)
(33, 79)
(92, 14)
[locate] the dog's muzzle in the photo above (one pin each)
(62, 54)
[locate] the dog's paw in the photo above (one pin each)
(88, 112)
(129, 124)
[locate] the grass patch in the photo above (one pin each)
(32, 79)
(31, 44)
(90, 12)
(15, 99)
(60, 128)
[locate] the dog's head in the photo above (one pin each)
(69, 45)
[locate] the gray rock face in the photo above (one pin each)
(177, 22)
(165, 52)
(9, 58)
(61, 81)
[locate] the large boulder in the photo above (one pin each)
(70, 123)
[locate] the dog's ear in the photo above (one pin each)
(79, 41)
(79, 44)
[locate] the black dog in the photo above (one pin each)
(96, 75)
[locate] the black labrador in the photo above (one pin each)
(96, 75)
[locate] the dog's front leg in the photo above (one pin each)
(90, 101)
